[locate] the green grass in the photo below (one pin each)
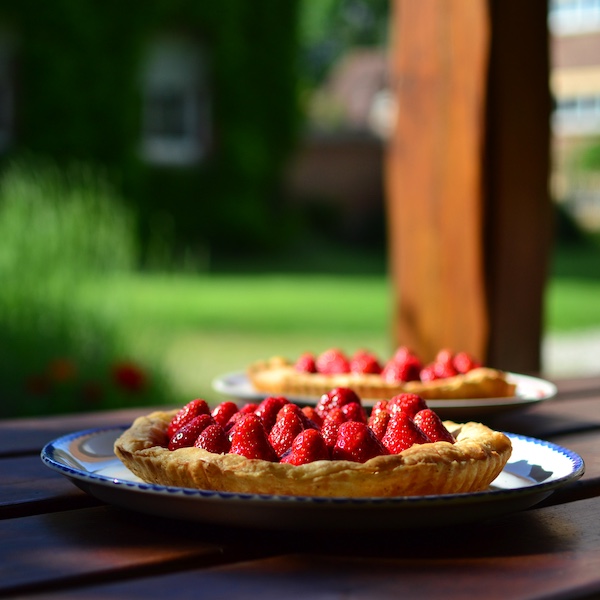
(199, 327)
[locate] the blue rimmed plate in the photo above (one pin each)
(535, 470)
(529, 390)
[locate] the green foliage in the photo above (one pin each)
(58, 229)
(80, 99)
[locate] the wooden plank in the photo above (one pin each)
(94, 543)
(548, 552)
(466, 175)
(29, 435)
(29, 487)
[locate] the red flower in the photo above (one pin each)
(129, 376)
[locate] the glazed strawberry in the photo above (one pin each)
(332, 361)
(186, 414)
(444, 356)
(364, 362)
(443, 365)
(432, 426)
(402, 433)
(410, 404)
(331, 424)
(356, 442)
(249, 408)
(336, 398)
(306, 363)
(312, 415)
(223, 412)
(213, 439)
(235, 417)
(267, 410)
(355, 412)
(379, 405)
(402, 370)
(249, 439)
(284, 432)
(378, 422)
(428, 373)
(463, 362)
(403, 353)
(292, 408)
(444, 370)
(308, 447)
(186, 435)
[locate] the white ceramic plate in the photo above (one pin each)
(535, 470)
(530, 390)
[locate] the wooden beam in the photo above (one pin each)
(466, 176)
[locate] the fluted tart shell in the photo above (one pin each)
(470, 464)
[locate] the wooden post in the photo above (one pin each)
(467, 178)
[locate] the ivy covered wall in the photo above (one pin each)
(78, 97)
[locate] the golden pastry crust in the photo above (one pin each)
(470, 464)
(278, 376)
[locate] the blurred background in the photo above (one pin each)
(188, 187)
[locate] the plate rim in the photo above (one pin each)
(47, 457)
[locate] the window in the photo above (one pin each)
(176, 128)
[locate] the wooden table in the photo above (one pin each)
(58, 542)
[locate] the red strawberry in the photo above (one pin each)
(267, 410)
(432, 426)
(444, 370)
(306, 363)
(411, 404)
(379, 405)
(235, 417)
(364, 362)
(406, 370)
(249, 408)
(284, 432)
(463, 362)
(213, 439)
(186, 414)
(402, 353)
(356, 442)
(354, 412)
(312, 415)
(186, 435)
(249, 439)
(292, 408)
(444, 356)
(332, 361)
(402, 433)
(223, 412)
(378, 422)
(308, 447)
(428, 373)
(331, 424)
(336, 398)
(443, 364)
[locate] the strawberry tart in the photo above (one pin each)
(450, 376)
(334, 449)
